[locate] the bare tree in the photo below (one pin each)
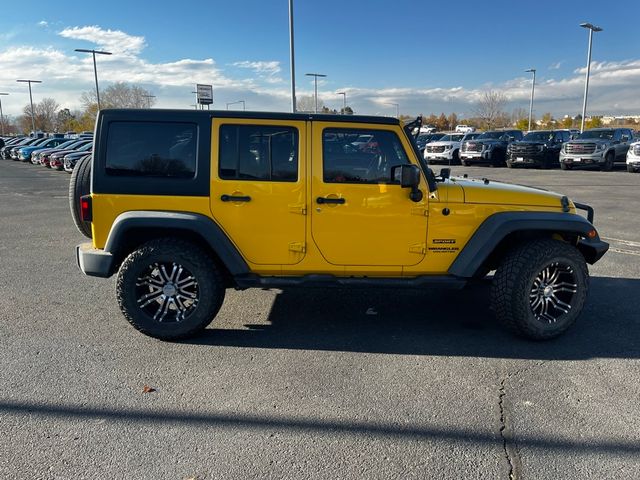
(45, 113)
(119, 95)
(308, 104)
(490, 108)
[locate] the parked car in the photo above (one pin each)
(56, 159)
(9, 142)
(46, 158)
(171, 222)
(6, 150)
(14, 152)
(25, 153)
(444, 150)
(69, 161)
(465, 129)
(539, 148)
(36, 157)
(633, 157)
(596, 148)
(424, 138)
(488, 147)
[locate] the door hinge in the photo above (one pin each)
(421, 211)
(300, 208)
(418, 248)
(298, 247)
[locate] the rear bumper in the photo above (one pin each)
(94, 262)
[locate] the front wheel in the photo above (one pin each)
(540, 288)
(169, 289)
(608, 162)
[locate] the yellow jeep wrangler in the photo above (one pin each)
(184, 204)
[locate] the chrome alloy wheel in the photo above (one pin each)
(167, 292)
(552, 292)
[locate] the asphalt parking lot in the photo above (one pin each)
(312, 383)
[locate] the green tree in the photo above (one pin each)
(593, 122)
(523, 124)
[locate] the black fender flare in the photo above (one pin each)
(196, 223)
(497, 226)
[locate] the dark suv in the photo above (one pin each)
(490, 147)
(537, 149)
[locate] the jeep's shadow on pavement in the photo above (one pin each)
(436, 322)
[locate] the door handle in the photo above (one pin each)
(322, 200)
(235, 198)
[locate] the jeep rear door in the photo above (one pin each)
(258, 186)
(360, 216)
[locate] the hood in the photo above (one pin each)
(486, 141)
(590, 140)
(446, 142)
(528, 142)
(477, 191)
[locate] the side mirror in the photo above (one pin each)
(409, 177)
(445, 173)
(625, 138)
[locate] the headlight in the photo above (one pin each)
(487, 146)
(448, 147)
(563, 149)
(600, 146)
(541, 148)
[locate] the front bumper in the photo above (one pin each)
(592, 250)
(633, 161)
(594, 159)
(445, 156)
(94, 262)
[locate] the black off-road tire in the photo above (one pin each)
(630, 169)
(197, 262)
(79, 185)
(564, 166)
(609, 161)
(513, 286)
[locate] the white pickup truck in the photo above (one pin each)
(465, 129)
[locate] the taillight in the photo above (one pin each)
(86, 213)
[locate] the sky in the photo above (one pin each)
(428, 57)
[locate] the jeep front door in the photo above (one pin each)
(258, 187)
(360, 216)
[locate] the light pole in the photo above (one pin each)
(533, 87)
(149, 97)
(592, 28)
(2, 116)
(397, 108)
(95, 69)
(292, 59)
(344, 101)
(315, 77)
(33, 117)
(239, 101)
(196, 105)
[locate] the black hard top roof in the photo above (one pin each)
(135, 114)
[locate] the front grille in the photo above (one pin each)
(580, 148)
(435, 148)
(636, 149)
(524, 149)
(473, 147)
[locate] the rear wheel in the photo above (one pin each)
(169, 289)
(80, 185)
(540, 288)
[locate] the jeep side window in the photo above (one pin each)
(257, 152)
(360, 156)
(151, 149)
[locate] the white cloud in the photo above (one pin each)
(65, 75)
(556, 65)
(114, 41)
(43, 23)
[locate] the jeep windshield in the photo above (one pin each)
(601, 134)
(490, 135)
(538, 137)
